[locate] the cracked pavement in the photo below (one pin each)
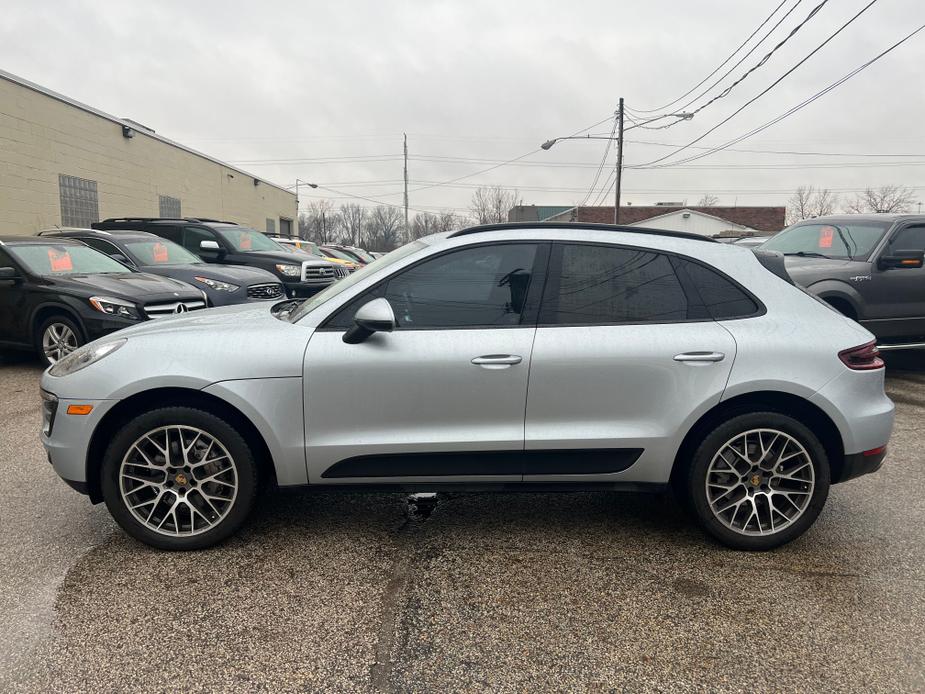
(508, 592)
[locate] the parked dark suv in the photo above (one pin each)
(57, 294)
(223, 284)
(867, 267)
(232, 244)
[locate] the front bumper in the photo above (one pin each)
(307, 289)
(69, 439)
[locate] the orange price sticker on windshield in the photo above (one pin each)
(826, 234)
(160, 253)
(246, 243)
(60, 260)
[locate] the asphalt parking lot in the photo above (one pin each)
(350, 592)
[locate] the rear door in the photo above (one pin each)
(627, 354)
(442, 397)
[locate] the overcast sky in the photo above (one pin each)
(330, 85)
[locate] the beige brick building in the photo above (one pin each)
(67, 164)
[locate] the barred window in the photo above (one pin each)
(80, 205)
(271, 226)
(169, 207)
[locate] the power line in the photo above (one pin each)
(766, 90)
(718, 67)
(600, 167)
(799, 106)
(755, 67)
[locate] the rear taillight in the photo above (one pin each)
(863, 358)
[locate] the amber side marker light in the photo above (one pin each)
(79, 409)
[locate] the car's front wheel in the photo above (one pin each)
(57, 337)
(179, 478)
(758, 481)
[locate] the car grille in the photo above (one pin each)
(265, 291)
(317, 272)
(341, 271)
(173, 308)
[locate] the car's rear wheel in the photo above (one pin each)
(57, 337)
(758, 481)
(179, 478)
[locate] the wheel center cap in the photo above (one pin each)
(181, 479)
(756, 480)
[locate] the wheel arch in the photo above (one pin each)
(759, 401)
(47, 310)
(146, 400)
(840, 296)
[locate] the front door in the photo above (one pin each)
(897, 295)
(626, 351)
(442, 397)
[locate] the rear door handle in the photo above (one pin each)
(497, 360)
(700, 356)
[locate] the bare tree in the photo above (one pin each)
(708, 200)
(491, 205)
(383, 228)
(353, 222)
(319, 222)
(426, 223)
(808, 202)
(888, 198)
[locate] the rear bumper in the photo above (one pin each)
(858, 464)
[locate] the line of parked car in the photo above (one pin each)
(65, 287)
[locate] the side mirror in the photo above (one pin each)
(902, 259)
(10, 275)
(374, 316)
(210, 249)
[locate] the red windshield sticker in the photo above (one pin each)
(160, 253)
(60, 261)
(245, 243)
(826, 234)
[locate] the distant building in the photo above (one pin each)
(63, 163)
(708, 221)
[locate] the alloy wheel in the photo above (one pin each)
(760, 482)
(178, 480)
(58, 341)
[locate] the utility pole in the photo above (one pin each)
(616, 201)
(407, 231)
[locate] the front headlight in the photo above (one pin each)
(115, 307)
(83, 357)
(217, 285)
(289, 270)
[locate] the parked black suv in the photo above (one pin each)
(223, 284)
(57, 294)
(867, 267)
(226, 242)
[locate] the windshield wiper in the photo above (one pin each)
(808, 254)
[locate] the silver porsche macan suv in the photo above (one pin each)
(508, 356)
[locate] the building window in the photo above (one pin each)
(80, 205)
(169, 207)
(285, 226)
(271, 226)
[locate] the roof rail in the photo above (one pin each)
(213, 221)
(111, 220)
(538, 226)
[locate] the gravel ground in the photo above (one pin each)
(514, 592)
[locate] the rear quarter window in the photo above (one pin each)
(722, 298)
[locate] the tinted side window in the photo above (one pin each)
(165, 231)
(472, 287)
(722, 298)
(909, 239)
(591, 284)
(193, 236)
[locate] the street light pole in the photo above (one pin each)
(619, 173)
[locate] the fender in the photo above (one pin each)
(838, 289)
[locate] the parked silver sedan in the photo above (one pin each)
(508, 356)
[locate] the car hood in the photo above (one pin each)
(296, 258)
(136, 286)
(193, 351)
(806, 271)
(236, 274)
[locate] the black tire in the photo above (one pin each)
(60, 320)
(242, 459)
(713, 443)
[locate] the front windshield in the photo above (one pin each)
(333, 290)
(363, 254)
(340, 255)
(843, 240)
(161, 252)
(56, 260)
(244, 239)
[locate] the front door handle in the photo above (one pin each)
(700, 357)
(497, 361)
